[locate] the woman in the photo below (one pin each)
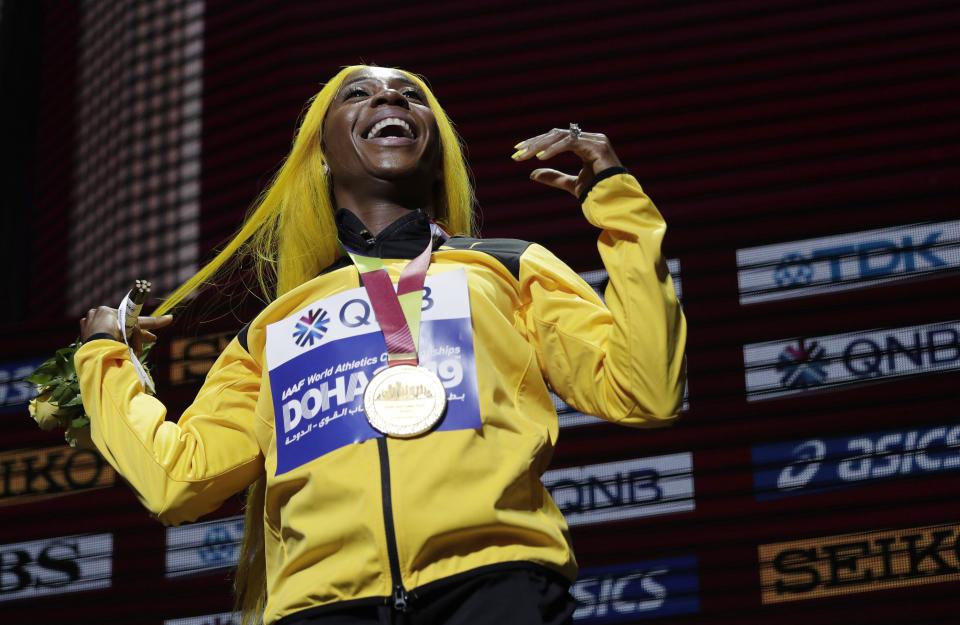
(366, 518)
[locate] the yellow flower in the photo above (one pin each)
(44, 412)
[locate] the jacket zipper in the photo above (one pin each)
(401, 598)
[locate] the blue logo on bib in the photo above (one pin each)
(311, 326)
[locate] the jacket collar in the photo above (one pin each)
(404, 238)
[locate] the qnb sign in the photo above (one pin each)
(852, 563)
(818, 464)
(789, 366)
(623, 490)
(598, 279)
(846, 261)
(637, 590)
(201, 547)
(55, 566)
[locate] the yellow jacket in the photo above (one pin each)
(347, 525)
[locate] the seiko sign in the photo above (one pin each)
(569, 416)
(789, 366)
(866, 561)
(55, 566)
(625, 592)
(817, 464)
(49, 472)
(623, 490)
(224, 618)
(14, 392)
(203, 546)
(847, 261)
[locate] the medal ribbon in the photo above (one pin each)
(397, 312)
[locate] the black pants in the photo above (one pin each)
(511, 597)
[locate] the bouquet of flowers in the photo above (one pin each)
(58, 402)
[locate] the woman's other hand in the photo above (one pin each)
(103, 320)
(593, 148)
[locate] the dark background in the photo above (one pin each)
(748, 123)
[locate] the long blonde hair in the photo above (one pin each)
(290, 236)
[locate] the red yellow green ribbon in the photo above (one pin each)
(397, 311)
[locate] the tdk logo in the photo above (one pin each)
(846, 261)
(778, 368)
(793, 269)
(879, 257)
(625, 592)
(799, 467)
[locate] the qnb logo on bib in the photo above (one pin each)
(312, 326)
(317, 380)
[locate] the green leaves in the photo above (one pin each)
(57, 370)
(58, 387)
(44, 373)
(76, 401)
(59, 394)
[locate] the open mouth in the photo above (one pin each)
(390, 131)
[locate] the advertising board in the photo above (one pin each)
(626, 489)
(847, 261)
(861, 562)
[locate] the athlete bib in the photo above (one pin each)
(321, 358)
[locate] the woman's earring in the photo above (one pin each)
(326, 170)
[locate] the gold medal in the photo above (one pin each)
(404, 400)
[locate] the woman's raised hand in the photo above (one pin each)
(104, 320)
(593, 148)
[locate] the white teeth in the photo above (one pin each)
(390, 121)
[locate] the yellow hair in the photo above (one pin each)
(290, 236)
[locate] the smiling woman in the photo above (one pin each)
(390, 405)
(381, 141)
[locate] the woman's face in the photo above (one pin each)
(379, 126)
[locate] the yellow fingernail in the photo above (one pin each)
(540, 153)
(519, 153)
(518, 145)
